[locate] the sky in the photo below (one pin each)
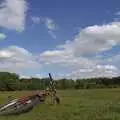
(70, 39)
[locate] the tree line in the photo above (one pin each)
(12, 82)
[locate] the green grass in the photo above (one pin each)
(97, 104)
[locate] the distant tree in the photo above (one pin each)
(8, 81)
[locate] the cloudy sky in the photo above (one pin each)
(72, 39)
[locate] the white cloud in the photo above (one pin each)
(52, 34)
(2, 36)
(70, 59)
(78, 67)
(14, 58)
(5, 54)
(13, 14)
(51, 26)
(32, 76)
(49, 23)
(100, 71)
(71, 56)
(24, 77)
(117, 13)
(36, 20)
(95, 39)
(65, 59)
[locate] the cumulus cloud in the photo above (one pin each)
(72, 56)
(49, 23)
(97, 71)
(78, 67)
(17, 59)
(95, 39)
(14, 58)
(2, 36)
(78, 58)
(66, 59)
(13, 14)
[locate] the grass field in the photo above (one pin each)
(100, 104)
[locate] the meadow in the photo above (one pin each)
(84, 104)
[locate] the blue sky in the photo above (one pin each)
(68, 38)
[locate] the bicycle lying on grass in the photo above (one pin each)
(25, 104)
